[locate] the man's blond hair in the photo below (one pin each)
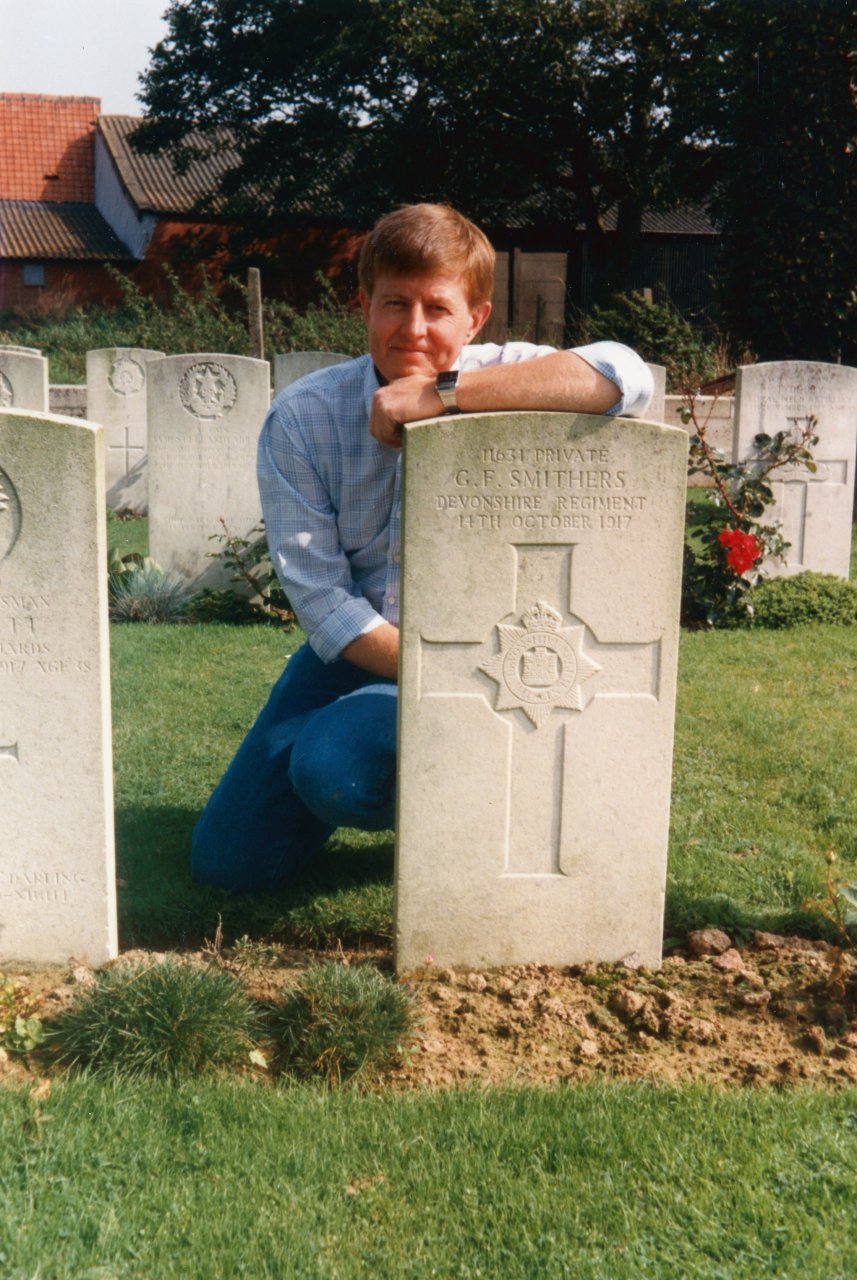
(422, 239)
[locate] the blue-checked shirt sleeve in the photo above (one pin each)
(327, 492)
(623, 366)
(614, 360)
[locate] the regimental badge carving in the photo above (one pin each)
(10, 516)
(541, 665)
(7, 394)
(127, 376)
(207, 390)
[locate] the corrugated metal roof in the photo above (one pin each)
(151, 181)
(39, 229)
(154, 187)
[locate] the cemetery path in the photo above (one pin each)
(777, 1011)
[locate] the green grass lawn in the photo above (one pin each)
(207, 1181)
(104, 1180)
(765, 781)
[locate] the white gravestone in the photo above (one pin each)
(814, 508)
(205, 414)
(116, 398)
(541, 583)
(57, 883)
(657, 404)
(23, 380)
(291, 365)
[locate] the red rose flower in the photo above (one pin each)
(744, 549)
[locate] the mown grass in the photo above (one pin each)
(613, 1183)
(765, 780)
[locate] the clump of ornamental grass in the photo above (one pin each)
(165, 1019)
(147, 594)
(341, 1020)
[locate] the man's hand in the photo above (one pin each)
(405, 400)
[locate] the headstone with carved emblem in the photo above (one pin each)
(813, 507)
(291, 365)
(116, 399)
(541, 576)
(57, 883)
(23, 380)
(205, 414)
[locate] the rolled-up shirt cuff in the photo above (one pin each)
(624, 367)
(354, 618)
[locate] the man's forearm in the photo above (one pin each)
(376, 651)
(562, 381)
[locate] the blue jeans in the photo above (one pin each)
(321, 755)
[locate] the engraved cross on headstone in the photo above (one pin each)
(549, 669)
(127, 449)
(9, 751)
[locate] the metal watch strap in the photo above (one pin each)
(445, 385)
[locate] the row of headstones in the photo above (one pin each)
(182, 431)
(539, 645)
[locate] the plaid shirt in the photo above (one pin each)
(331, 493)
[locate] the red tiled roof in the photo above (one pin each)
(46, 147)
(50, 231)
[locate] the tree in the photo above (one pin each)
(550, 112)
(787, 123)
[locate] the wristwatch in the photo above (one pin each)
(445, 385)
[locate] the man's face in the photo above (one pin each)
(418, 324)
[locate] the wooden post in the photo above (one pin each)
(254, 313)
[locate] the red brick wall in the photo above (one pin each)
(66, 284)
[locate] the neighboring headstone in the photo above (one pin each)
(23, 380)
(205, 414)
(25, 351)
(67, 399)
(116, 398)
(716, 414)
(656, 409)
(541, 577)
(291, 365)
(57, 885)
(815, 508)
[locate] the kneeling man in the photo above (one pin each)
(322, 753)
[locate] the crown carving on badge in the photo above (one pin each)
(542, 618)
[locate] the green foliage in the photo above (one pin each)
(730, 537)
(802, 600)
(594, 103)
(324, 325)
(144, 592)
(340, 1020)
(837, 905)
(20, 1030)
(187, 321)
(661, 335)
(166, 1019)
(787, 134)
(249, 564)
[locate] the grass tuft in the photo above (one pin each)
(148, 594)
(167, 1019)
(339, 1021)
